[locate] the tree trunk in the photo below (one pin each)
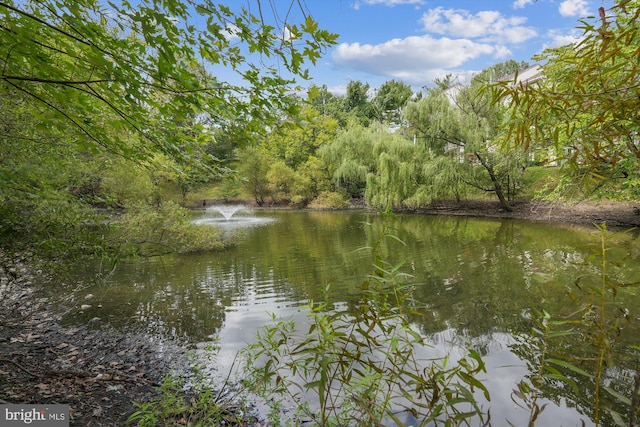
(496, 182)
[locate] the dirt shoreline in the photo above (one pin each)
(614, 214)
(96, 371)
(100, 373)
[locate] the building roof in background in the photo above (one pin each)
(526, 76)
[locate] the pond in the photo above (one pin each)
(477, 279)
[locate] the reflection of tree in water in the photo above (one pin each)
(474, 278)
(481, 281)
(481, 275)
(593, 332)
(579, 390)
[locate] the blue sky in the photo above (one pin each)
(418, 40)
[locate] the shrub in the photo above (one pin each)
(330, 200)
(146, 230)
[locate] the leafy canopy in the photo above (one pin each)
(93, 91)
(90, 67)
(588, 103)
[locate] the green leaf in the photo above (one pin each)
(570, 366)
(617, 418)
(474, 382)
(623, 399)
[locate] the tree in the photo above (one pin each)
(350, 158)
(356, 102)
(253, 166)
(374, 163)
(394, 178)
(315, 172)
(86, 81)
(462, 122)
(587, 105)
(389, 100)
(299, 138)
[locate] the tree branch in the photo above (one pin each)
(65, 115)
(56, 82)
(43, 22)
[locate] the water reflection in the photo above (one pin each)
(473, 278)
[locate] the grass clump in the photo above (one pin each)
(201, 406)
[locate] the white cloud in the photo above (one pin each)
(486, 25)
(412, 59)
(231, 32)
(340, 90)
(558, 39)
(578, 8)
(519, 4)
(394, 2)
(356, 4)
(502, 52)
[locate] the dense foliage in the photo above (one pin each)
(126, 109)
(107, 102)
(114, 105)
(585, 111)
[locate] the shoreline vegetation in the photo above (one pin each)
(624, 214)
(100, 373)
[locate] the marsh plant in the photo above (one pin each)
(189, 398)
(361, 366)
(587, 356)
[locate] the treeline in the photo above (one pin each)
(390, 146)
(452, 142)
(104, 110)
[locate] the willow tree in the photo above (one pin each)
(394, 179)
(373, 163)
(461, 123)
(586, 107)
(349, 157)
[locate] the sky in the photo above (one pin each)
(416, 41)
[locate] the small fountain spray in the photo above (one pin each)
(227, 211)
(225, 216)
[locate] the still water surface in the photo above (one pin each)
(474, 278)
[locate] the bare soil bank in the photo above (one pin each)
(100, 373)
(97, 372)
(615, 214)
